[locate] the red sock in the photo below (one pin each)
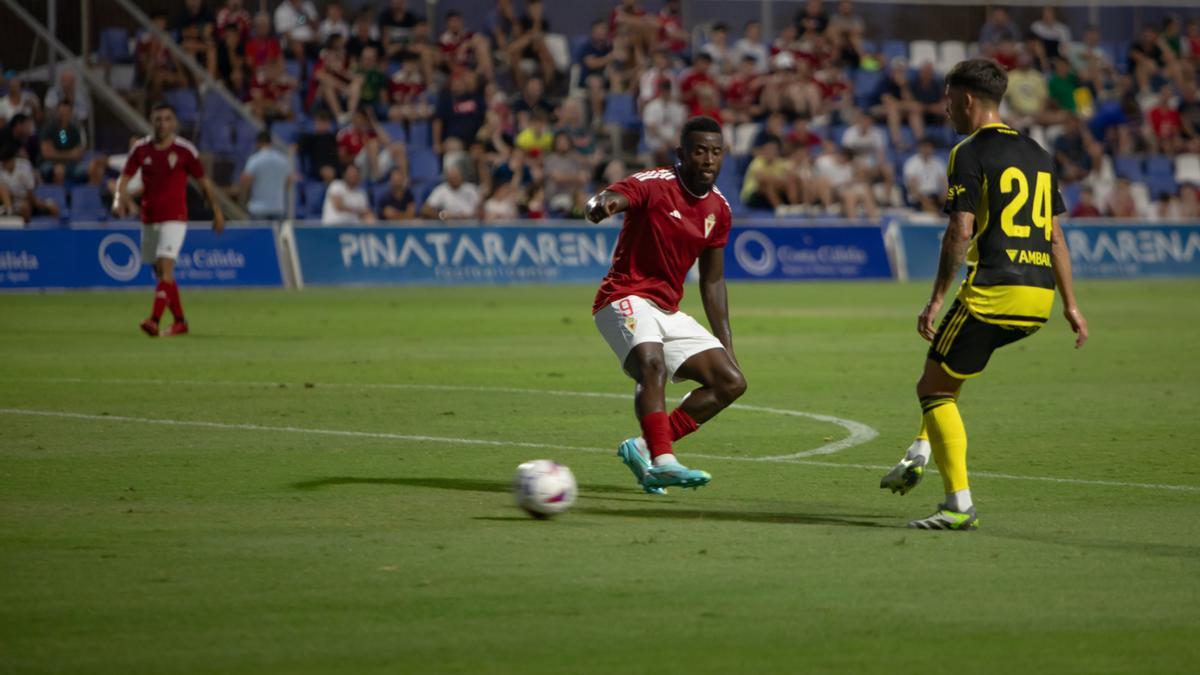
(656, 429)
(161, 295)
(682, 424)
(173, 300)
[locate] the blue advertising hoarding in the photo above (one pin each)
(1098, 250)
(110, 257)
(783, 252)
(454, 255)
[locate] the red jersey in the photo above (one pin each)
(352, 141)
(164, 174)
(666, 229)
(260, 50)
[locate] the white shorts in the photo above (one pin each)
(162, 240)
(632, 320)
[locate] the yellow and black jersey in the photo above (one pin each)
(1007, 180)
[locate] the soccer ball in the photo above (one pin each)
(544, 488)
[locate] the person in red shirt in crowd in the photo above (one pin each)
(697, 78)
(359, 136)
(156, 65)
(673, 217)
(271, 92)
(233, 16)
(742, 92)
(460, 48)
(672, 36)
(639, 29)
(1165, 122)
(165, 162)
(405, 88)
(262, 47)
(331, 79)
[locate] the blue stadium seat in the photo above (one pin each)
(1160, 165)
(314, 198)
(293, 68)
(869, 46)
(216, 108)
(216, 135)
(114, 45)
(286, 131)
(184, 102)
(421, 192)
(865, 84)
(1070, 194)
(1128, 166)
(379, 194)
(578, 42)
(423, 165)
(87, 204)
(245, 136)
(395, 131)
(420, 135)
(1158, 186)
(621, 109)
(56, 194)
(893, 48)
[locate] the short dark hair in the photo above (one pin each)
(700, 124)
(264, 137)
(982, 77)
(162, 105)
(19, 118)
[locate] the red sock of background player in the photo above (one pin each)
(656, 429)
(682, 424)
(175, 303)
(161, 295)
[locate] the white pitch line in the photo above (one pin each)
(859, 433)
(540, 446)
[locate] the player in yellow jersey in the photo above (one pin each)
(1003, 204)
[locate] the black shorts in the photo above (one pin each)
(964, 344)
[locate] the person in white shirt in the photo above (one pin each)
(296, 23)
(71, 88)
(718, 48)
(334, 23)
(1053, 34)
(751, 45)
(836, 183)
(868, 145)
(17, 182)
(454, 199)
(925, 179)
(19, 100)
(662, 120)
(346, 201)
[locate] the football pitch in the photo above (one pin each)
(318, 481)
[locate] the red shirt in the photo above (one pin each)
(666, 229)
(693, 80)
(238, 20)
(668, 26)
(261, 50)
(352, 140)
(1165, 122)
(164, 175)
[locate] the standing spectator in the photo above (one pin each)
(453, 199)
(71, 89)
(529, 43)
(234, 17)
(397, 203)
(265, 180)
(19, 101)
(334, 23)
(751, 45)
(460, 112)
(998, 28)
(662, 120)
(925, 179)
(296, 22)
(17, 182)
(262, 47)
(346, 201)
(62, 145)
(1053, 35)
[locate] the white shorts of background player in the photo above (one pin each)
(162, 240)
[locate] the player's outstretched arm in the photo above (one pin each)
(210, 193)
(954, 249)
(605, 204)
(715, 296)
(1060, 260)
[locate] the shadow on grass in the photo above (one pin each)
(460, 484)
(733, 516)
(1128, 547)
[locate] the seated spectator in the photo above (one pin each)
(697, 79)
(717, 48)
(22, 134)
(501, 24)
(532, 100)
(265, 180)
(566, 173)
(1147, 58)
(453, 199)
(651, 80)
(17, 182)
(396, 25)
(835, 175)
(1121, 203)
(537, 138)
(894, 102)
(271, 93)
(262, 47)
(1087, 58)
(334, 23)
(1028, 95)
(460, 112)
(1189, 115)
(1076, 153)
(460, 48)
(812, 18)
(925, 179)
(397, 203)
(1053, 35)
(1166, 124)
(998, 28)
(229, 57)
(364, 33)
(770, 181)
(845, 21)
(529, 44)
(751, 45)
(331, 80)
(662, 121)
(1086, 208)
(1189, 202)
(1062, 85)
(196, 27)
(234, 17)
(501, 204)
(71, 89)
(318, 149)
(596, 55)
(868, 147)
(157, 67)
(19, 100)
(406, 90)
(346, 201)
(630, 23)
(369, 86)
(62, 145)
(572, 123)
(742, 92)
(672, 36)
(296, 22)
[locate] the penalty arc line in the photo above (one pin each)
(859, 433)
(541, 446)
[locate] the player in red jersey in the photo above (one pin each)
(165, 161)
(673, 216)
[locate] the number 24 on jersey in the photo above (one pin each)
(1043, 218)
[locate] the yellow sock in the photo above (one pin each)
(923, 434)
(948, 438)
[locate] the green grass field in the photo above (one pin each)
(299, 486)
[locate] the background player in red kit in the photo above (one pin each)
(165, 161)
(673, 216)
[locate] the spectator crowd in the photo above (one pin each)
(388, 115)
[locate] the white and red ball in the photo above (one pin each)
(544, 488)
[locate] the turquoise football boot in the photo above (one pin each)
(634, 453)
(675, 474)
